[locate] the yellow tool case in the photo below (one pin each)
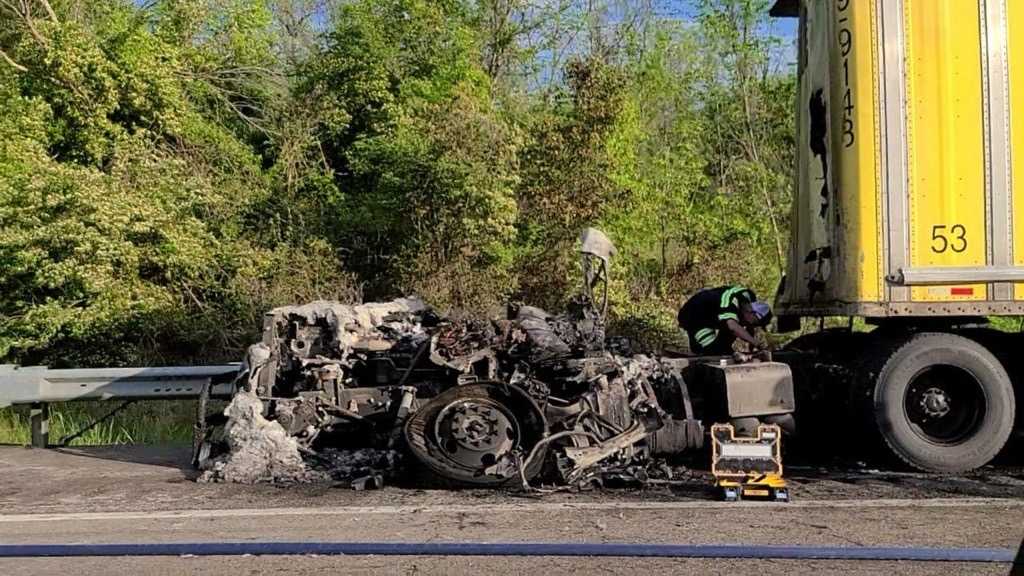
(748, 467)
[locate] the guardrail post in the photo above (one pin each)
(39, 417)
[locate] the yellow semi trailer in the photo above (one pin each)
(908, 213)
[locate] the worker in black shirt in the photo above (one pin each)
(715, 317)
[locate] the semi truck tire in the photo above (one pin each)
(943, 403)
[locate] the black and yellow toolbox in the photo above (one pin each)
(748, 467)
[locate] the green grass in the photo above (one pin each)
(152, 422)
(1007, 323)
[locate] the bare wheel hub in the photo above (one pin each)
(476, 426)
(935, 402)
(476, 431)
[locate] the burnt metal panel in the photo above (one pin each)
(754, 389)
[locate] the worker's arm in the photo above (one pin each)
(740, 332)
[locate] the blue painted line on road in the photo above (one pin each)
(1004, 555)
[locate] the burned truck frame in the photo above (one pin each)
(499, 402)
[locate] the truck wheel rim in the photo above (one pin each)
(476, 432)
(944, 404)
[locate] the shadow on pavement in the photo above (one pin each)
(168, 456)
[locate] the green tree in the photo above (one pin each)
(566, 180)
(171, 169)
(128, 178)
(425, 161)
(748, 106)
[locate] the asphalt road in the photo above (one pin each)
(129, 495)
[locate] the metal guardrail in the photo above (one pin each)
(39, 386)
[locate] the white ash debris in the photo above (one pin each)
(641, 368)
(259, 450)
(350, 324)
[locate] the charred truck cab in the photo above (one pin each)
(907, 213)
(497, 402)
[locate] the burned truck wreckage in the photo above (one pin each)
(530, 398)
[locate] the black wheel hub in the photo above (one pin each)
(935, 403)
(944, 404)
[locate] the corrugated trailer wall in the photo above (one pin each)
(1015, 42)
(905, 201)
(858, 246)
(945, 141)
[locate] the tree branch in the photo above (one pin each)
(49, 11)
(23, 11)
(16, 66)
(35, 32)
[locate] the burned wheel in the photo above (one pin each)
(476, 431)
(476, 434)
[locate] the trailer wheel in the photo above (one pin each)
(943, 403)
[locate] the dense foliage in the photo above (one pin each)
(171, 169)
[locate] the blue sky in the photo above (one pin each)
(786, 28)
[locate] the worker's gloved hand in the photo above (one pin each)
(742, 357)
(760, 353)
